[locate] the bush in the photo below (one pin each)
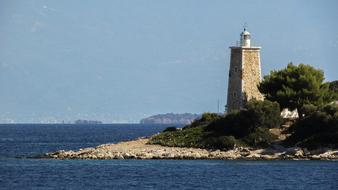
(330, 109)
(237, 124)
(333, 86)
(318, 129)
(246, 127)
(221, 142)
(320, 140)
(265, 113)
(170, 129)
(209, 117)
(181, 138)
(256, 114)
(205, 119)
(261, 137)
(308, 109)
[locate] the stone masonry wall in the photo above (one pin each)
(251, 73)
(235, 81)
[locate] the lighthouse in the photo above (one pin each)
(244, 73)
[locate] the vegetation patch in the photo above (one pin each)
(190, 137)
(300, 87)
(247, 127)
(318, 128)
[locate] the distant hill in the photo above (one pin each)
(170, 118)
(83, 121)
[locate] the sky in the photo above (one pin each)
(120, 61)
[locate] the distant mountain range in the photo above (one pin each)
(170, 118)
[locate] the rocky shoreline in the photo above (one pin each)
(139, 149)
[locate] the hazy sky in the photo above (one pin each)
(120, 61)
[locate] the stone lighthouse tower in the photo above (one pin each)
(244, 73)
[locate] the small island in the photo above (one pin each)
(171, 118)
(87, 122)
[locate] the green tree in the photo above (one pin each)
(333, 86)
(296, 86)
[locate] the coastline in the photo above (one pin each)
(139, 149)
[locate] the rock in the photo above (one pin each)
(269, 151)
(231, 154)
(197, 155)
(328, 155)
(139, 149)
(100, 155)
(148, 156)
(287, 157)
(306, 152)
(118, 156)
(93, 157)
(244, 154)
(299, 153)
(293, 151)
(243, 149)
(254, 156)
(315, 157)
(267, 157)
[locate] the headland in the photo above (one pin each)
(140, 149)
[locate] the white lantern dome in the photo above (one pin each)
(245, 38)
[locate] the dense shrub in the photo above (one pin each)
(205, 119)
(248, 127)
(330, 109)
(308, 109)
(318, 129)
(261, 137)
(170, 129)
(208, 117)
(237, 124)
(191, 137)
(195, 137)
(220, 142)
(263, 114)
(320, 140)
(333, 86)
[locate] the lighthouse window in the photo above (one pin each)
(236, 69)
(235, 94)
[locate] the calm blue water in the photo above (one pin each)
(17, 142)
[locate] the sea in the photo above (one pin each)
(20, 144)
